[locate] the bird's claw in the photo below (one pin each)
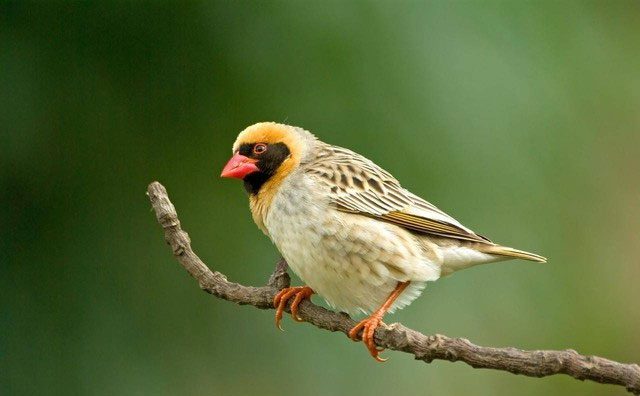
(280, 302)
(368, 327)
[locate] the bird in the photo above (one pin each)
(348, 228)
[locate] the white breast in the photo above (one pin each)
(352, 261)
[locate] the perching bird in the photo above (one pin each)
(347, 227)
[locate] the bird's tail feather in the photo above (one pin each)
(515, 253)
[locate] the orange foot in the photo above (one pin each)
(368, 327)
(370, 324)
(280, 301)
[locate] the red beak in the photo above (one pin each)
(239, 166)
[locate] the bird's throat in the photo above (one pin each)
(255, 181)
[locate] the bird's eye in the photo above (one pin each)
(259, 148)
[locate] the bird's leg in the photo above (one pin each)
(369, 325)
(280, 301)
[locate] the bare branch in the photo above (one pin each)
(540, 363)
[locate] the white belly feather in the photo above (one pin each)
(352, 261)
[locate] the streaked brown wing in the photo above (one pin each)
(428, 226)
(357, 185)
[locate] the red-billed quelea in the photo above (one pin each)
(347, 227)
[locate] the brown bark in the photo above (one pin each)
(537, 363)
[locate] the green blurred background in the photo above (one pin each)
(520, 119)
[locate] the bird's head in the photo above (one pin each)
(267, 151)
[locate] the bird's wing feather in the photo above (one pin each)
(357, 185)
